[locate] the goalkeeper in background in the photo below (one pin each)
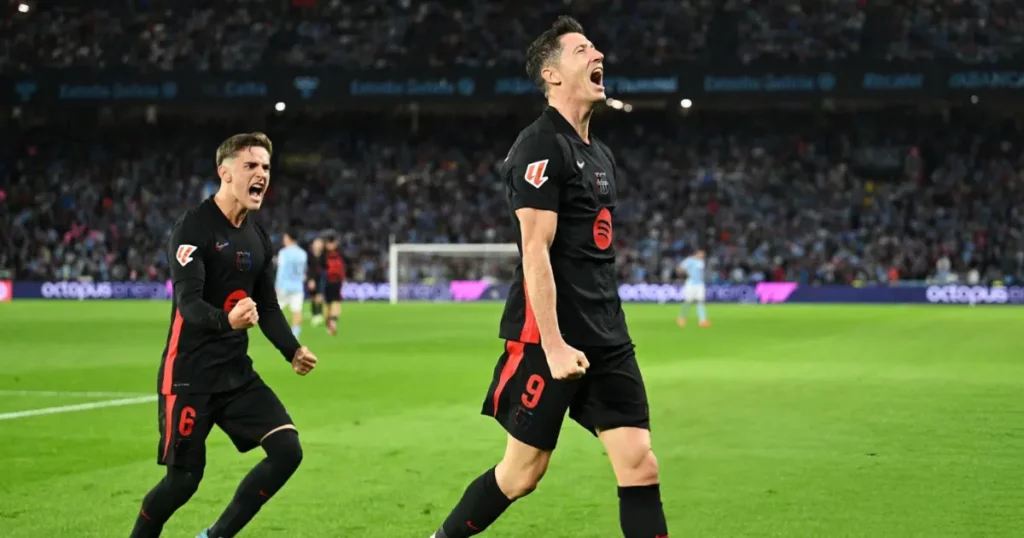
(694, 290)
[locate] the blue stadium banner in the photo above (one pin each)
(458, 290)
(740, 83)
(485, 290)
(81, 291)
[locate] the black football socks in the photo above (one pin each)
(481, 504)
(265, 479)
(171, 493)
(318, 307)
(640, 512)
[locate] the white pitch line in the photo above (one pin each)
(77, 407)
(70, 393)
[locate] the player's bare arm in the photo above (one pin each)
(538, 172)
(538, 232)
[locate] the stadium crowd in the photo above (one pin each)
(374, 34)
(838, 198)
(869, 197)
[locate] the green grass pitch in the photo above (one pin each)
(779, 421)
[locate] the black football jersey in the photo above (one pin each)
(215, 264)
(316, 267)
(551, 168)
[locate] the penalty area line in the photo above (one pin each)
(77, 407)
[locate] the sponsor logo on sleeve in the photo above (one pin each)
(535, 173)
(184, 254)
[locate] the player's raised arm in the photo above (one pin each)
(272, 321)
(187, 249)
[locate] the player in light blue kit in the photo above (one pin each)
(291, 280)
(694, 290)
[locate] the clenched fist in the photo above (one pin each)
(244, 314)
(565, 361)
(304, 361)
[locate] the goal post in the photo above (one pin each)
(408, 262)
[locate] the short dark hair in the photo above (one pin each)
(547, 47)
(238, 142)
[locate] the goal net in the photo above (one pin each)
(450, 272)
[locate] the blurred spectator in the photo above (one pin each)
(965, 30)
(236, 35)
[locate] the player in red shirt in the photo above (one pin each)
(316, 279)
(334, 276)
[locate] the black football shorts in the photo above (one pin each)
(531, 405)
(332, 292)
(245, 414)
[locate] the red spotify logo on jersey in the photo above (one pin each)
(603, 229)
(233, 299)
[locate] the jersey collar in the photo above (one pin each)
(562, 125)
(220, 217)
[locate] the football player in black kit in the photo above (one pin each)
(566, 343)
(316, 279)
(221, 265)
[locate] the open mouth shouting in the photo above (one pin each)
(597, 77)
(256, 191)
